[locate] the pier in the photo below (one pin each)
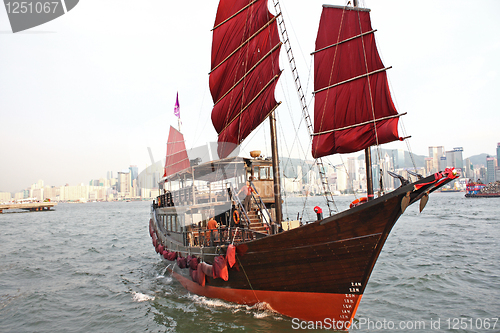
(31, 206)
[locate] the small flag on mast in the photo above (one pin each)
(177, 108)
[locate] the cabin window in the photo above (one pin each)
(256, 173)
(181, 222)
(263, 173)
(169, 223)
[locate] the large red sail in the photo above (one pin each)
(177, 158)
(353, 105)
(245, 69)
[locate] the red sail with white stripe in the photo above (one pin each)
(245, 69)
(353, 105)
(177, 158)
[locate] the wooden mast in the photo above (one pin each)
(276, 170)
(368, 156)
(369, 176)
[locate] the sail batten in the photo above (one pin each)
(352, 79)
(250, 71)
(245, 68)
(344, 41)
(252, 101)
(360, 124)
(353, 106)
(230, 17)
(243, 44)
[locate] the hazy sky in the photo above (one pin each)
(88, 92)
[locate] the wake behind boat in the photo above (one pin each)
(221, 221)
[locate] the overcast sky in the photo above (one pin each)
(88, 92)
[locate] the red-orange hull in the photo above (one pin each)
(327, 308)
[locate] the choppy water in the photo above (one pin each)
(91, 268)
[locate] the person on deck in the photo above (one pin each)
(211, 226)
(247, 190)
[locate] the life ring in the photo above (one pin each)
(236, 217)
(358, 202)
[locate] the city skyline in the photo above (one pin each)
(135, 172)
(79, 98)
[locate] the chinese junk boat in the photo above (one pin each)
(313, 271)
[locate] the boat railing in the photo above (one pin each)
(164, 200)
(264, 213)
(193, 194)
(234, 197)
(223, 235)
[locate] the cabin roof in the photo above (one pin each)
(218, 170)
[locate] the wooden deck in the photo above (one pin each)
(34, 206)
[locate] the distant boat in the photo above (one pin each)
(311, 272)
(450, 190)
(480, 190)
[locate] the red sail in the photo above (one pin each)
(245, 69)
(177, 158)
(353, 105)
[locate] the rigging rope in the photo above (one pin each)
(246, 276)
(305, 112)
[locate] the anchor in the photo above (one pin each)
(423, 201)
(405, 202)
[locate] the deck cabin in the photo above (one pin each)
(189, 198)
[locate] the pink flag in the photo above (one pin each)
(177, 108)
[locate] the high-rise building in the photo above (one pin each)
(134, 172)
(5, 196)
(468, 170)
(442, 163)
(498, 152)
(490, 169)
(388, 180)
(103, 182)
(436, 152)
(459, 159)
(341, 178)
(352, 168)
(312, 181)
(428, 165)
(299, 176)
(399, 159)
(124, 183)
(454, 158)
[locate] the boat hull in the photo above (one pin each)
(316, 272)
(483, 195)
(301, 305)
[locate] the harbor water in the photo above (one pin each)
(92, 268)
